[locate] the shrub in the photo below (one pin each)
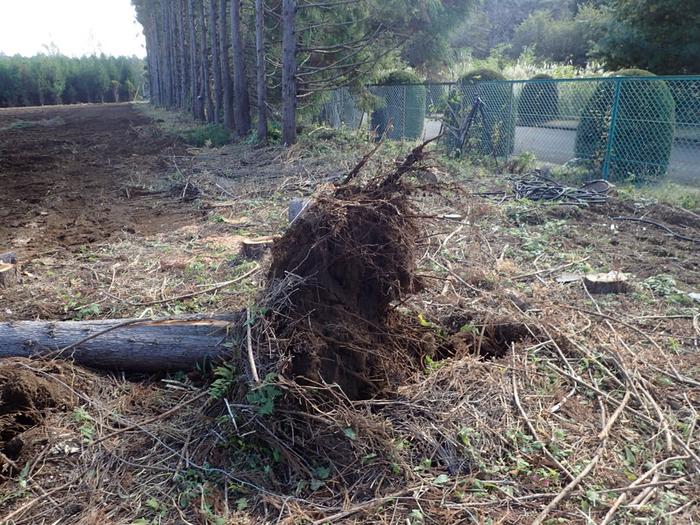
(538, 102)
(496, 132)
(644, 128)
(404, 106)
(211, 135)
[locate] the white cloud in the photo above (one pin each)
(75, 27)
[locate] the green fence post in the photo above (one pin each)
(611, 132)
(403, 124)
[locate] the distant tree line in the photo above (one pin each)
(658, 35)
(228, 61)
(57, 79)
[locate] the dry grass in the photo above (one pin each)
(561, 407)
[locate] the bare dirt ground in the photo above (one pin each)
(73, 177)
(540, 383)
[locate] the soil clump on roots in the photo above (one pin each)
(335, 277)
(334, 332)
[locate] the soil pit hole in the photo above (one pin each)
(487, 340)
(25, 397)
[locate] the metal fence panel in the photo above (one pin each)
(341, 110)
(622, 128)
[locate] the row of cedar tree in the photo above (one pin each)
(57, 79)
(224, 59)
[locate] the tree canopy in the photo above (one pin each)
(662, 36)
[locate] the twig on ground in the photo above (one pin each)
(200, 292)
(153, 419)
(658, 225)
(530, 426)
(363, 506)
(623, 496)
(676, 438)
(620, 321)
(249, 344)
(603, 436)
(7, 460)
(32, 502)
(549, 270)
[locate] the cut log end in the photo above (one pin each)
(9, 275)
(606, 283)
(255, 248)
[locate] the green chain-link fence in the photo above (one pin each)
(620, 128)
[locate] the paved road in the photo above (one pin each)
(556, 146)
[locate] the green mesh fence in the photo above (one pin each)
(400, 111)
(341, 110)
(638, 129)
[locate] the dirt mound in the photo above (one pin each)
(25, 396)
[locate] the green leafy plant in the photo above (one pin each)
(264, 396)
(210, 136)
(87, 312)
(425, 464)
(226, 377)
(522, 163)
(441, 480)
(86, 424)
(431, 365)
(321, 474)
(661, 285)
(416, 517)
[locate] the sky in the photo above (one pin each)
(75, 27)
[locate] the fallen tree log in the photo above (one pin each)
(133, 344)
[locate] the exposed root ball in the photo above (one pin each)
(351, 255)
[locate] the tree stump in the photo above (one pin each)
(255, 248)
(9, 272)
(8, 275)
(606, 283)
(9, 258)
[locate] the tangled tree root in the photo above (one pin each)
(334, 277)
(331, 334)
(339, 356)
(350, 256)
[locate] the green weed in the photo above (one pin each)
(86, 424)
(264, 396)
